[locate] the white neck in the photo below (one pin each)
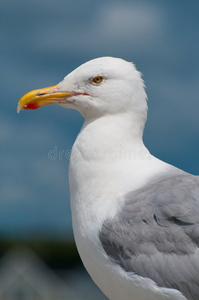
(108, 160)
(105, 144)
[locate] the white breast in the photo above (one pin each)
(98, 183)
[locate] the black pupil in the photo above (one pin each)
(98, 79)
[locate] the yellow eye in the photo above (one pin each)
(97, 79)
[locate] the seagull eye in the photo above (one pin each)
(97, 79)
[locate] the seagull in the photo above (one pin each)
(135, 218)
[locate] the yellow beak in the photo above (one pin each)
(42, 97)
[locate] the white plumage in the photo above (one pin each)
(109, 168)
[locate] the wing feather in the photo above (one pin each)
(156, 233)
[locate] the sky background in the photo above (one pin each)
(41, 41)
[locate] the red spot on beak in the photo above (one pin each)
(33, 105)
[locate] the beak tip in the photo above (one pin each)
(19, 108)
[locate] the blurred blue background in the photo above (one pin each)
(43, 40)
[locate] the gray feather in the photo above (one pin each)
(156, 233)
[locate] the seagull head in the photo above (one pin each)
(101, 86)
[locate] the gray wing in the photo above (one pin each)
(156, 233)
